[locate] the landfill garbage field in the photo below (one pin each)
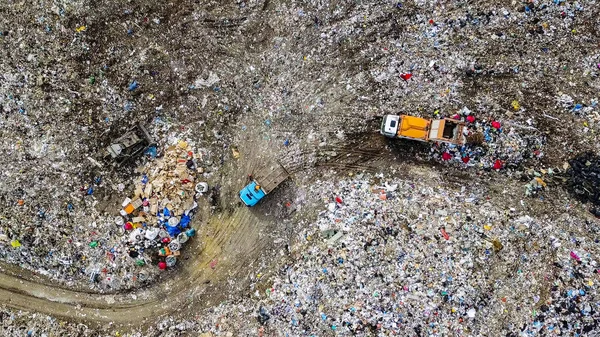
(128, 130)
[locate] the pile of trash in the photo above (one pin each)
(157, 216)
(490, 144)
(538, 181)
(403, 257)
(393, 257)
(584, 178)
(23, 323)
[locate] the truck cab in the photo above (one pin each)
(251, 194)
(389, 125)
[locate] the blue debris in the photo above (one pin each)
(190, 232)
(173, 230)
(134, 85)
(151, 151)
(185, 221)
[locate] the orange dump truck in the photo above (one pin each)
(435, 130)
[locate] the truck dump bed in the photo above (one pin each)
(413, 127)
(269, 177)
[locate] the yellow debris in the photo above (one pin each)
(15, 243)
(515, 105)
(497, 245)
(540, 181)
(81, 29)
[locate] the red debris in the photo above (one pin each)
(406, 76)
(496, 125)
(471, 119)
(466, 159)
(446, 156)
(444, 234)
(575, 256)
(338, 200)
(213, 263)
(497, 164)
(162, 265)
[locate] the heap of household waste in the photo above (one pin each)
(157, 216)
(392, 257)
(491, 144)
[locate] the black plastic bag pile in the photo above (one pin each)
(584, 178)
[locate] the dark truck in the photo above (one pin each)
(129, 145)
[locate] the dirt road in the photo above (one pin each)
(224, 240)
